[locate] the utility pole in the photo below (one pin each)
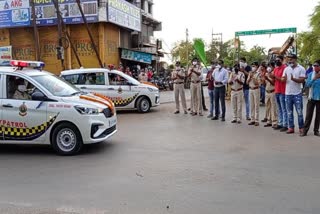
(35, 30)
(221, 41)
(60, 49)
(187, 46)
(90, 34)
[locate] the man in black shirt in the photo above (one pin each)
(245, 68)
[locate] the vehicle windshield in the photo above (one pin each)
(56, 85)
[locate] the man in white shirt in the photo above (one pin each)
(294, 76)
(220, 76)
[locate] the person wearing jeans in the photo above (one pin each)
(280, 90)
(313, 84)
(220, 76)
(294, 75)
(211, 90)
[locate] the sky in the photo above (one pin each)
(202, 17)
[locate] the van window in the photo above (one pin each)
(86, 78)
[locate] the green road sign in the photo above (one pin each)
(261, 32)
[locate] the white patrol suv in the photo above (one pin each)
(123, 90)
(37, 107)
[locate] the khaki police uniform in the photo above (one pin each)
(195, 88)
(271, 106)
(254, 93)
(236, 94)
(178, 88)
(18, 95)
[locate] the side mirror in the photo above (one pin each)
(39, 96)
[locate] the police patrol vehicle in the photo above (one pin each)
(37, 107)
(125, 91)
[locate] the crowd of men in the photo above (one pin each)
(280, 85)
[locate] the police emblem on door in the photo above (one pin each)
(120, 90)
(23, 110)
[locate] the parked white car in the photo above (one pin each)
(125, 91)
(37, 107)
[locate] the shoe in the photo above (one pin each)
(268, 125)
(303, 134)
(176, 112)
(200, 114)
(283, 129)
(185, 112)
(256, 124)
(317, 134)
(290, 131)
(239, 122)
(248, 118)
(264, 120)
(210, 116)
(251, 123)
(277, 127)
(205, 109)
(215, 118)
(233, 121)
(194, 114)
(223, 119)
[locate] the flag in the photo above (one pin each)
(199, 48)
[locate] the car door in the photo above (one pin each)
(1, 111)
(23, 119)
(120, 90)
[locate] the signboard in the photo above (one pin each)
(46, 12)
(14, 13)
(123, 13)
(270, 31)
(136, 56)
(5, 55)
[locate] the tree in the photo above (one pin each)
(183, 51)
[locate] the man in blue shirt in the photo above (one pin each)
(220, 77)
(313, 83)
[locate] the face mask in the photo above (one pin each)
(218, 66)
(22, 88)
(278, 63)
(254, 69)
(269, 69)
(194, 63)
(291, 64)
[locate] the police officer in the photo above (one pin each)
(194, 74)
(254, 81)
(178, 76)
(236, 82)
(21, 92)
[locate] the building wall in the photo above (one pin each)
(22, 42)
(112, 40)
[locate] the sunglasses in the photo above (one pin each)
(316, 65)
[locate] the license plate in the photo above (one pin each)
(112, 122)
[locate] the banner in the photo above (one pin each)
(5, 55)
(136, 56)
(46, 12)
(123, 13)
(14, 13)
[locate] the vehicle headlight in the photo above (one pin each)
(86, 110)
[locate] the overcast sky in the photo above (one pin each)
(228, 16)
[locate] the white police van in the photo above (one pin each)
(37, 107)
(123, 90)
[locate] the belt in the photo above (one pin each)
(270, 91)
(178, 83)
(195, 82)
(254, 88)
(236, 89)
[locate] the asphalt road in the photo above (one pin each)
(164, 163)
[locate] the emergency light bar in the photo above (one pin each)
(24, 64)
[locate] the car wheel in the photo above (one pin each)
(143, 105)
(66, 139)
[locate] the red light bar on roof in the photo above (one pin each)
(23, 64)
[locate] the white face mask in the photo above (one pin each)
(22, 88)
(269, 69)
(254, 69)
(194, 63)
(218, 66)
(243, 64)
